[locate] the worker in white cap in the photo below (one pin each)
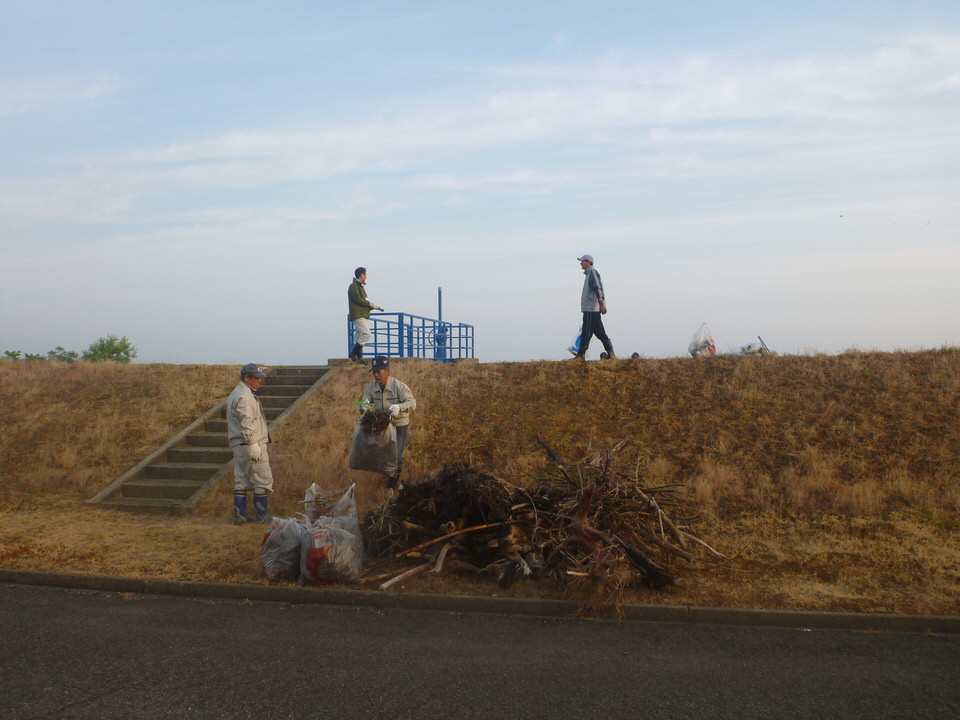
(593, 305)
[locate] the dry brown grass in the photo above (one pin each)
(831, 480)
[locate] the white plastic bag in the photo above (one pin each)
(331, 547)
(280, 548)
(575, 345)
(702, 344)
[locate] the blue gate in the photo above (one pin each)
(406, 335)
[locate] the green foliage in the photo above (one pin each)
(61, 355)
(111, 348)
(119, 350)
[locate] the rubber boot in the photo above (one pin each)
(239, 508)
(356, 352)
(260, 503)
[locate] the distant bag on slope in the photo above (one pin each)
(702, 344)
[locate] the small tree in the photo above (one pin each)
(110, 348)
(12, 354)
(61, 355)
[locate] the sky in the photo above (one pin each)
(203, 177)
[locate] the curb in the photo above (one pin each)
(807, 620)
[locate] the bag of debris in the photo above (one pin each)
(575, 345)
(702, 344)
(280, 548)
(332, 546)
(757, 348)
(374, 446)
(318, 502)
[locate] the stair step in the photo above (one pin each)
(182, 471)
(216, 427)
(281, 390)
(190, 454)
(156, 506)
(298, 370)
(161, 488)
(208, 439)
(301, 380)
(280, 401)
(270, 413)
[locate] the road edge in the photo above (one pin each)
(801, 619)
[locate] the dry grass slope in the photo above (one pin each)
(831, 480)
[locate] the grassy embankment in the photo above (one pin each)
(831, 481)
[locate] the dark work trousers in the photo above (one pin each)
(593, 325)
(402, 431)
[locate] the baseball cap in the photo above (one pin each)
(379, 363)
(253, 369)
(588, 258)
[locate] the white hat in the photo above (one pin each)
(588, 258)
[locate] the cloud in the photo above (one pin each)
(22, 96)
(523, 126)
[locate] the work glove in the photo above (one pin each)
(255, 452)
(377, 307)
(394, 410)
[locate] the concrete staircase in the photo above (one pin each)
(175, 478)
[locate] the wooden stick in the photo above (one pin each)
(438, 566)
(453, 534)
(701, 542)
(403, 576)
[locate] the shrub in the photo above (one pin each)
(61, 355)
(112, 348)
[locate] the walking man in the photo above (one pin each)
(248, 437)
(360, 307)
(388, 393)
(593, 304)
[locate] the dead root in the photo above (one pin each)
(593, 526)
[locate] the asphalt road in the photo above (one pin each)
(90, 654)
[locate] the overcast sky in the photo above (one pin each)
(203, 177)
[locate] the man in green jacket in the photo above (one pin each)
(360, 307)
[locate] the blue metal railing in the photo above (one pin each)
(405, 335)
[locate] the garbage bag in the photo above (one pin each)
(375, 451)
(575, 345)
(318, 502)
(280, 548)
(702, 344)
(331, 547)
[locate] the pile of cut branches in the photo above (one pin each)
(593, 525)
(375, 421)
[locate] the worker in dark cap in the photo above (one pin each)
(248, 437)
(388, 393)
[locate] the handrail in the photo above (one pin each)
(406, 335)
